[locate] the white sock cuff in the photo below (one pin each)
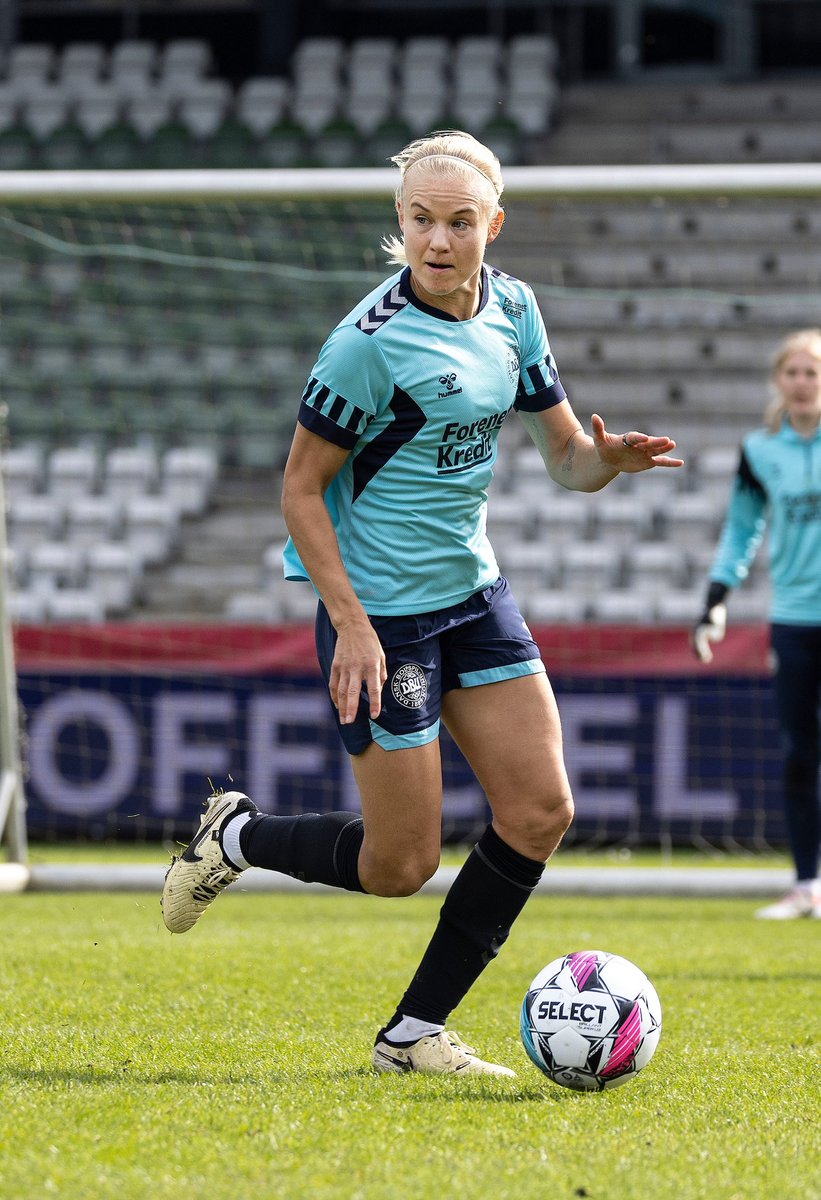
(411, 1029)
(230, 840)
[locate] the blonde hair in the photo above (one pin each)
(802, 339)
(446, 152)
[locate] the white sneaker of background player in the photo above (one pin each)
(803, 900)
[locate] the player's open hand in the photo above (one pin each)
(359, 665)
(633, 451)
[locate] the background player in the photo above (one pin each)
(385, 495)
(778, 487)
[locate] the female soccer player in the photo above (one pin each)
(778, 484)
(384, 494)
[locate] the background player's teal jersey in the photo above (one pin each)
(419, 397)
(777, 487)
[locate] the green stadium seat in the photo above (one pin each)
(170, 147)
(386, 140)
(233, 145)
(18, 149)
(66, 149)
(118, 147)
(337, 145)
(285, 145)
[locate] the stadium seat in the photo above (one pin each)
(75, 606)
(151, 527)
(284, 145)
(29, 66)
(261, 102)
(593, 566)
(313, 110)
(318, 53)
(427, 49)
(653, 567)
(34, 519)
(116, 147)
(46, 110)
(336, 144)
(531, 50)
(149, 111)
(527, 565)
(92, 519)
(298, 602)
(97, 109)
(619, 607)
(253, 608)
(188, 477)
(183, 61)
(73, 471)
(170, 146)
(204, 105)
(622, 519)
(66, 149)
(81, 64)
(26, 607)
(55, 564)
(561, 518)
(23, 470)
(692, 521)
(113, 576)
(130, 471)
(132, 65)
(680, 606)
(563, 606)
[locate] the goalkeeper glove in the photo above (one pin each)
(712, 625)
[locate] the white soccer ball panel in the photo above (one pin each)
(569, 1047)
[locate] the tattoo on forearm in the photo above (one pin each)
(567, 465)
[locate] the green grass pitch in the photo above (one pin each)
(233, 1061)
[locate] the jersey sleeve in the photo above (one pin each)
(349, 384)
(743, 528)
(539, 384)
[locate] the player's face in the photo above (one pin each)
(446, 225)
(798, 379)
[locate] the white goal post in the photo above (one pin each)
(14, 872)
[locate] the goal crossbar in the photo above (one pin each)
(771, 179)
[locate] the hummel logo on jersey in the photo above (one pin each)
(383, 310)
(447, 382)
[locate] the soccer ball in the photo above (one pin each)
(591, 1020)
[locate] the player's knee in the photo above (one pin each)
(388, 877)
(545, 821)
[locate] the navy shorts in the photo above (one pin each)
(482, 640)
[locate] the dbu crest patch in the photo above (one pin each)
(409, 686)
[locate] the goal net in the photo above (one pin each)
(156, 332)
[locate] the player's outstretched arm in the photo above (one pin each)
(586, 464)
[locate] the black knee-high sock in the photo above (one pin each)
(313, 847)
(484, 900)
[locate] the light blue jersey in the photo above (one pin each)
(777, 487)
(419, 398)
